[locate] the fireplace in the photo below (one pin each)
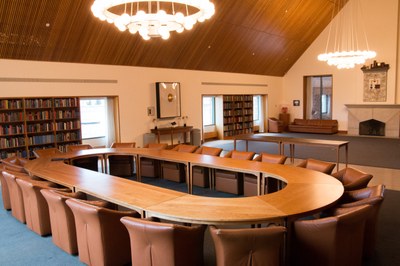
(372, 127)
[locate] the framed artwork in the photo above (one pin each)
(168, 96)
(375, 83)
(296, 102)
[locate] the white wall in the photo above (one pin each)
(135, 87)
(381, 24)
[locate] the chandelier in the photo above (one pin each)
(153, 18)
(347, 37)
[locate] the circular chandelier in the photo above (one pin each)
(153, 18)
(346, 60)
(346, 36)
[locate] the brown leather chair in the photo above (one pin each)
(201, 175)
(62, 219)
(248, 246)
(352, 178)
(271, 184)
(102, 238)
(317, 165)
(335, 240)
(176, 171)
(150, 167)
(121, 165)
(35, 206)
(372, 196)
(86, 162)
(275, 125)
(228, 181)
(16, 197)
(15, 164)
(164, 244)
(46, 152)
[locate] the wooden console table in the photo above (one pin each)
(171, 131)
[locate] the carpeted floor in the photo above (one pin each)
(368, 151)
(19, 246)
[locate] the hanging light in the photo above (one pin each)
(346, 37)
(153, 18)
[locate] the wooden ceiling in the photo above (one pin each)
(263, 37)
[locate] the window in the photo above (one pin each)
(318, 102)
(93, 117)
(256, 107)
(208, 110)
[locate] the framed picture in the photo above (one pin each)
(375, 86)
(296, 102)
(168, 96)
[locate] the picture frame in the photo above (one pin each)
(168, 96)
(296, 102)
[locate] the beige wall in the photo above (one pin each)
(381, 23)
(135, 87)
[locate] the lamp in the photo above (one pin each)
(153, 18)
(346, 37)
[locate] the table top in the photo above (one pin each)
(307, 191)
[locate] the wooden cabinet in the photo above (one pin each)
(27, 124)
(234, 115)
(285, 118)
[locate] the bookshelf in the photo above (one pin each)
(234, 115)
(27, 124)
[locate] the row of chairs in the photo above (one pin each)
(338, 237)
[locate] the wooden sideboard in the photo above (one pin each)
(172, 131)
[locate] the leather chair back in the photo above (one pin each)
(123, 145)
(335, 240)
(163, 244)
(374, 197)
(102, 238)
(46, 152)
(35, 206)
(317, 165)
(71, 148)
(248, 246)
(271, 158)
(240, 155)
(121, 165)
(352, 178)
(62, 219)
(150, 167)
(209, 151)
(185, 148)
(157, 146)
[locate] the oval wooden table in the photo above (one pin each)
(306, 191)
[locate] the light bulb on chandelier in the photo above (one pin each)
(347, 37)
(153, 18)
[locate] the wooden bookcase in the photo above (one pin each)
(234, 115)
(27, 124)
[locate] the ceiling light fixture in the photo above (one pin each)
(153, 18)
(346, 37)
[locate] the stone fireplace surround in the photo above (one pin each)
(386, 113)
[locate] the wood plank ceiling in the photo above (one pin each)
(263, 37)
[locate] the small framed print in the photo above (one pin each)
(296, 102)
(168, 96)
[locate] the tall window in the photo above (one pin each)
(208, 110)
(319, 97)
(94, 118)
(256, 107)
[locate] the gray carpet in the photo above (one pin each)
(368, 151)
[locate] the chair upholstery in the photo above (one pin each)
(275, 125)
(121, 165)
(228, 181)
(15, 164)
(150, 167)
(102, 238)
(62, 219)
(271, 184)
(16, 197)
(175, 171)
(86, 162)
(248, 246)
(35, 206)
(352, 178)
(372, 196)
(201, 175)
(317, 165)
(164, 244)
(335, 240)
(46, 152)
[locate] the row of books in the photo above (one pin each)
(12, 142)
(11, 117)
(67, 102)
(11, 129)
(38, 103)
(10, 104)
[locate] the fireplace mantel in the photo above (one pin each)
(386, 113)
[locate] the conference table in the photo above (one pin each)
(306, 191)
(292, 141)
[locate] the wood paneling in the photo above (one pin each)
(244, 36)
